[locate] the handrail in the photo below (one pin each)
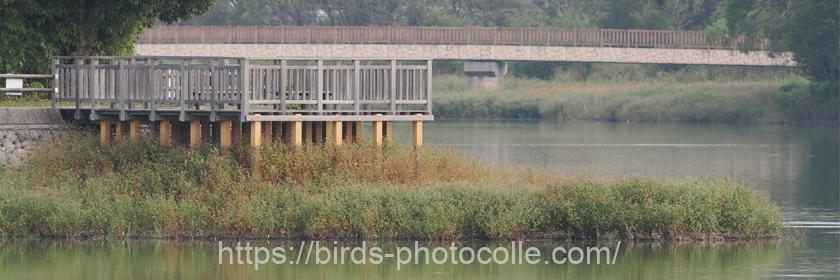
(626, 38)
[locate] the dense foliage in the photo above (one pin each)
(660, 14)
(31, 31)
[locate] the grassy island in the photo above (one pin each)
(72, 187)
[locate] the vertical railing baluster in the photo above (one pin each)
(244, 87)
(355, 92)
(92, 84)
(429, 87)
(319, 86)
(282, 86)
(393, 87)
(54, 70)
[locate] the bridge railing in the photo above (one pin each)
(628, 38)
(241, 87)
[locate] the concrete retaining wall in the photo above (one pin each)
(22, 129)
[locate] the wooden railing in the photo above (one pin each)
(216, 85)
(626, 38)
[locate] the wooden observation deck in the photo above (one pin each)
(296, 100)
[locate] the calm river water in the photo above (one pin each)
(798, 166)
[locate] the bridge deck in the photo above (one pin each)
(216, 88)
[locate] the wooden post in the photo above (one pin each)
(357, 132)
(225, 132)
(417, 128)
(347, 129)
(377, 133)
(297, 139)
(255, 134)
(195, 133)
(165, 132)
(236, 132)
(255, 137)
(134, 130)
(119, 132)
(319, 132)
(105, 132)
(334, 134)
(389, 132)
(330, 128)
(307, 132)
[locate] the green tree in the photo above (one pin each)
(34, 30)
(810, 29)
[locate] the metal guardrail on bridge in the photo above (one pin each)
(626, 38)
(243, 89)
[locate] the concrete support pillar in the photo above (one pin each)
(195, 133)
(105, 132)
(134, 130)
(485, 75)
(330, 133)
(225, 133)
(255, 135)
(296, 134)
(417, 129)
(319, 132)
(389, 133)
(347, 135)
(119, 131)
(334, 134)
(377, 133)
(236, 132)
(165, 132)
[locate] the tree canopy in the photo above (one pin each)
(31, 31)
(663, 14)
(810, 29)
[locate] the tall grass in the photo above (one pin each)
(73, 187)
(704, 101)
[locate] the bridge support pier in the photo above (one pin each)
(417, 132)
(119, 131)
(377, 133)
(389, 132)
(485, 75)
(296, 134)
(225, 139)
(165, 132)
(195, 133)
(105, 132)
(134, 130)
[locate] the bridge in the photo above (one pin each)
(484, 48)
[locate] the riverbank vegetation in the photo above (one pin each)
(789, 99)
(74, 188)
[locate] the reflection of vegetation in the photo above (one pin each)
(769, 100)
(73, 187)
(25, 259)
